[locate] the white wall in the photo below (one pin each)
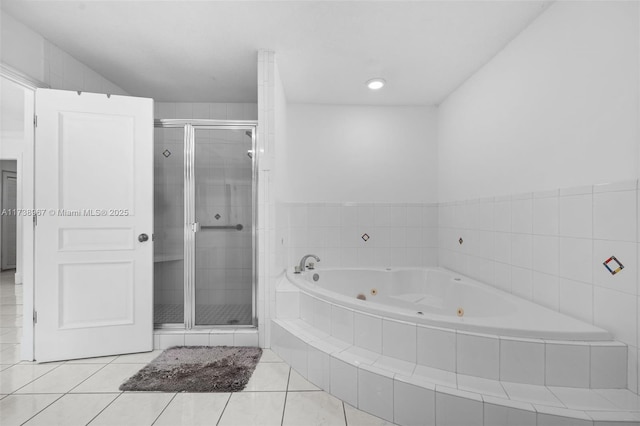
(281, 120)
(558, 107)
(271, 99)
(29, 52)
(16, 143)
(21, 47)
(16, 130)
(523, 146)
(347, 171)
(360, 154)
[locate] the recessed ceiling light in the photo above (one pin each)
(375, 83)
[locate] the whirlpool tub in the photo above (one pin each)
(439, 298)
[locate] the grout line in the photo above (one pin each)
(165, 407)
(88, 377)
(72, 393)
(224, 408)
(557, 397)
(503, 389)
(344, 411)
(544, 367)
(104, 409)
(286, 394)
(31, 381)
(40, 411)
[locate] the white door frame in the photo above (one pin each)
(24, 156)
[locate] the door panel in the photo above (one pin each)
(106, 158)
(224, 244)
(94, 184)
(106, 289)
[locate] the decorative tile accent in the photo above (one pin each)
(365, 237)
(610, 269)
(217, 216)
(166, 153)
(461, 240)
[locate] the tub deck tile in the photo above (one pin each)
(562, 412)
(416, 381)
(482, 386)
(357, 356)
(614, 416)
(519, 405)
(504, 401)
(439, 377)
(531, 393)
(622, 398)
(395, 365)
(582, 399)
(327, 347)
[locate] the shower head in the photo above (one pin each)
(248, 133)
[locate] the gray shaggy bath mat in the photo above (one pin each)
(197, 369)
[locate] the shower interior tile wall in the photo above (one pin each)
(549, 247)
(396, 234)
(223, 260)
(211, 110)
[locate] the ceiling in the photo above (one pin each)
(326, 50)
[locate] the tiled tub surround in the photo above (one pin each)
(549, 247)
(358, 234)
(409, 373)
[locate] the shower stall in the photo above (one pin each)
(204, 223)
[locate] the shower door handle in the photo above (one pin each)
(143, 237)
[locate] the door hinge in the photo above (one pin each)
(35, 317)
(35, 121)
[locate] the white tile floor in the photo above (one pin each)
(83, 392)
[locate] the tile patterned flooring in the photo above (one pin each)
(85, 391)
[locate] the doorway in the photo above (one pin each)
(8, 222)
(204, 214)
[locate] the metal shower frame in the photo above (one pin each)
(190, 126)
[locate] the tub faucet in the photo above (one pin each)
(303, 261)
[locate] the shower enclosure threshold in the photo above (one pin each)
(164, 338)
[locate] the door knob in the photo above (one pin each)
(143, 237)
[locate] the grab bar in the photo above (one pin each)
(237, 227)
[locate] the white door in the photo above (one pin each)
(93, 241)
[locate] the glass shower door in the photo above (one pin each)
(168, 234)
(224, 238)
